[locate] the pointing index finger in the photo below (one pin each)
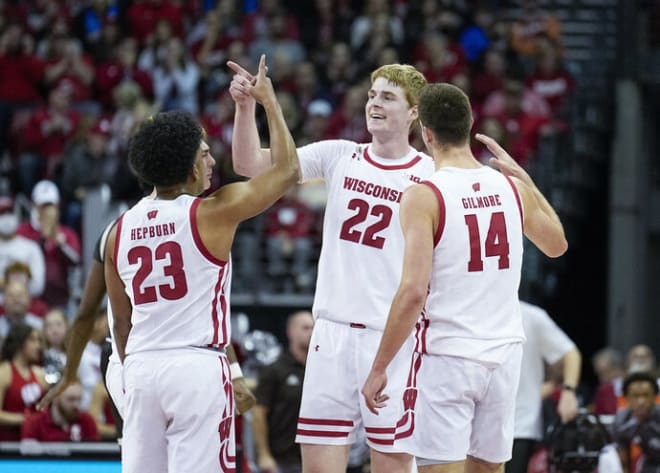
(262, 66)
(238, 69)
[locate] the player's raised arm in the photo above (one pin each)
(541, 222)
(239, 201)
(248, 158)
(80, 332)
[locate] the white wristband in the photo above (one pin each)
(235, 370)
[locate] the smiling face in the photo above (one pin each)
(387, 109)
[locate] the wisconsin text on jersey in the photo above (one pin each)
(151, 231)
(374, 190)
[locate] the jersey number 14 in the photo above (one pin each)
(496, 244)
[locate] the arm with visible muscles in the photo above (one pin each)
(121, 304)
(242, 200)
(571, 366)
(248, 158)
(419, 219)
(541, 222)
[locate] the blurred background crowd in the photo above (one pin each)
(569, 87)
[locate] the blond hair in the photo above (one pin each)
(405, 76)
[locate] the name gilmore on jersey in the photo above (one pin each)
(375, 190)
(481, 201)
(152, 231)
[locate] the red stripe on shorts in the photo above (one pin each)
(321, 433)
(334, 422)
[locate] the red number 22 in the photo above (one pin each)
(369, 238)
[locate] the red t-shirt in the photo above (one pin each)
(40, 426)
(21, 396)
(58, 262)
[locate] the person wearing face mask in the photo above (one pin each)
(60, 244)
(15, 248)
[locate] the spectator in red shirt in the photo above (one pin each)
(21, 70)
(438, 58)
(122, 68)
(523, 129)
(491, 78)
(551, 81)
(45, 136)
(66, 63)
(60, 244)
(22, 383)
(143, 15)
(63, 422)
(608, 366)
(256, 24)
(20, 77)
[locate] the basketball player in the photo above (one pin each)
(81, 331)
(463, 231)
(359, 266)
(168, 276)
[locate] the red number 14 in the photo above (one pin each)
(496, 244)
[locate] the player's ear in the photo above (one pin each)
(427, 134)
(414, 113)
(195, 173)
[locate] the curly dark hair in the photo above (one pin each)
(162, 152)
(446, 111)
(18, 333)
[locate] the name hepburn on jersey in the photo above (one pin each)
(481, 201)
(375, 190)
(152, 231)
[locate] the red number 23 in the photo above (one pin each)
(143, 255)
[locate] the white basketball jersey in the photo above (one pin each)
(362, 253)
(178, 289)
(472, 308)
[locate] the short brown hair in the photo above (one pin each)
(446, 111)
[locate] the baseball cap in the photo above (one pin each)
(101, 127)
(319, 107)
(45, 192)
